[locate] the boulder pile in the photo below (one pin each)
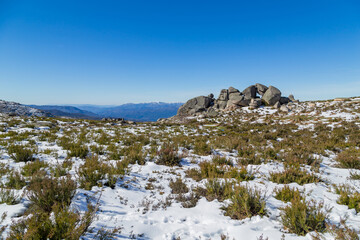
(253, 97)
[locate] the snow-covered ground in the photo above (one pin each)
(143, 212)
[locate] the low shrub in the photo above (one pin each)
(134, 154)
(304, 216)
(62, 223)
(217, 189)
(91, 172)
(9, 197)
(348, 197)
(286, 194)
(246, 202)
(178, 186)
(168, 156)
(342, 231)
(349, 158)
(78, 150)
(201, 147)
(293, 174)
(32, 168)
(16, 181)
(220, 161)
(45, 192)
(21, 153)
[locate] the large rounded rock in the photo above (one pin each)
(261, 89)
(284, 100)
(224, 95)
(249, 92)
(271, 96)
(233, 90)
(195, 105)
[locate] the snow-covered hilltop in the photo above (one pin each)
(247, 173)
(17, 109)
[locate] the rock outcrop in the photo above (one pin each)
(230, 99)
(17, 109)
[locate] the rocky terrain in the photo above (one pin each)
(231, 99)
(245, 173)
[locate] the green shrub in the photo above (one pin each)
(286, 194)
(246, 202)
(293, 174)
(304, 216)
(21, 153)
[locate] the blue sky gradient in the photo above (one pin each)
(114, 52)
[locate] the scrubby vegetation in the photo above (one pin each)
(304, 216)
(232, 166)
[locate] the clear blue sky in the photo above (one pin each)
(114, 52)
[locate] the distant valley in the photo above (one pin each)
(131, 111)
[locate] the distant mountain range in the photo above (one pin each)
(67, 111)
(130, 111)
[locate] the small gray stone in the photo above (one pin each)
(291, 97)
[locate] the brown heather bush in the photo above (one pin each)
(32, 168)
(16, 181)
(21, 153)
(286, 194)
(78, 150)
(348, 197)
(65, 223)
(304, 216)
(220, 161)
(293, 174)
(45, 192)
(134, 154)
(349, 158)
(201, 147)
(168, 156)
(246, 202)
(217, 189)
(91, 172)
(178, 186)
(9, 197)
(342, 231)
(212, 170)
